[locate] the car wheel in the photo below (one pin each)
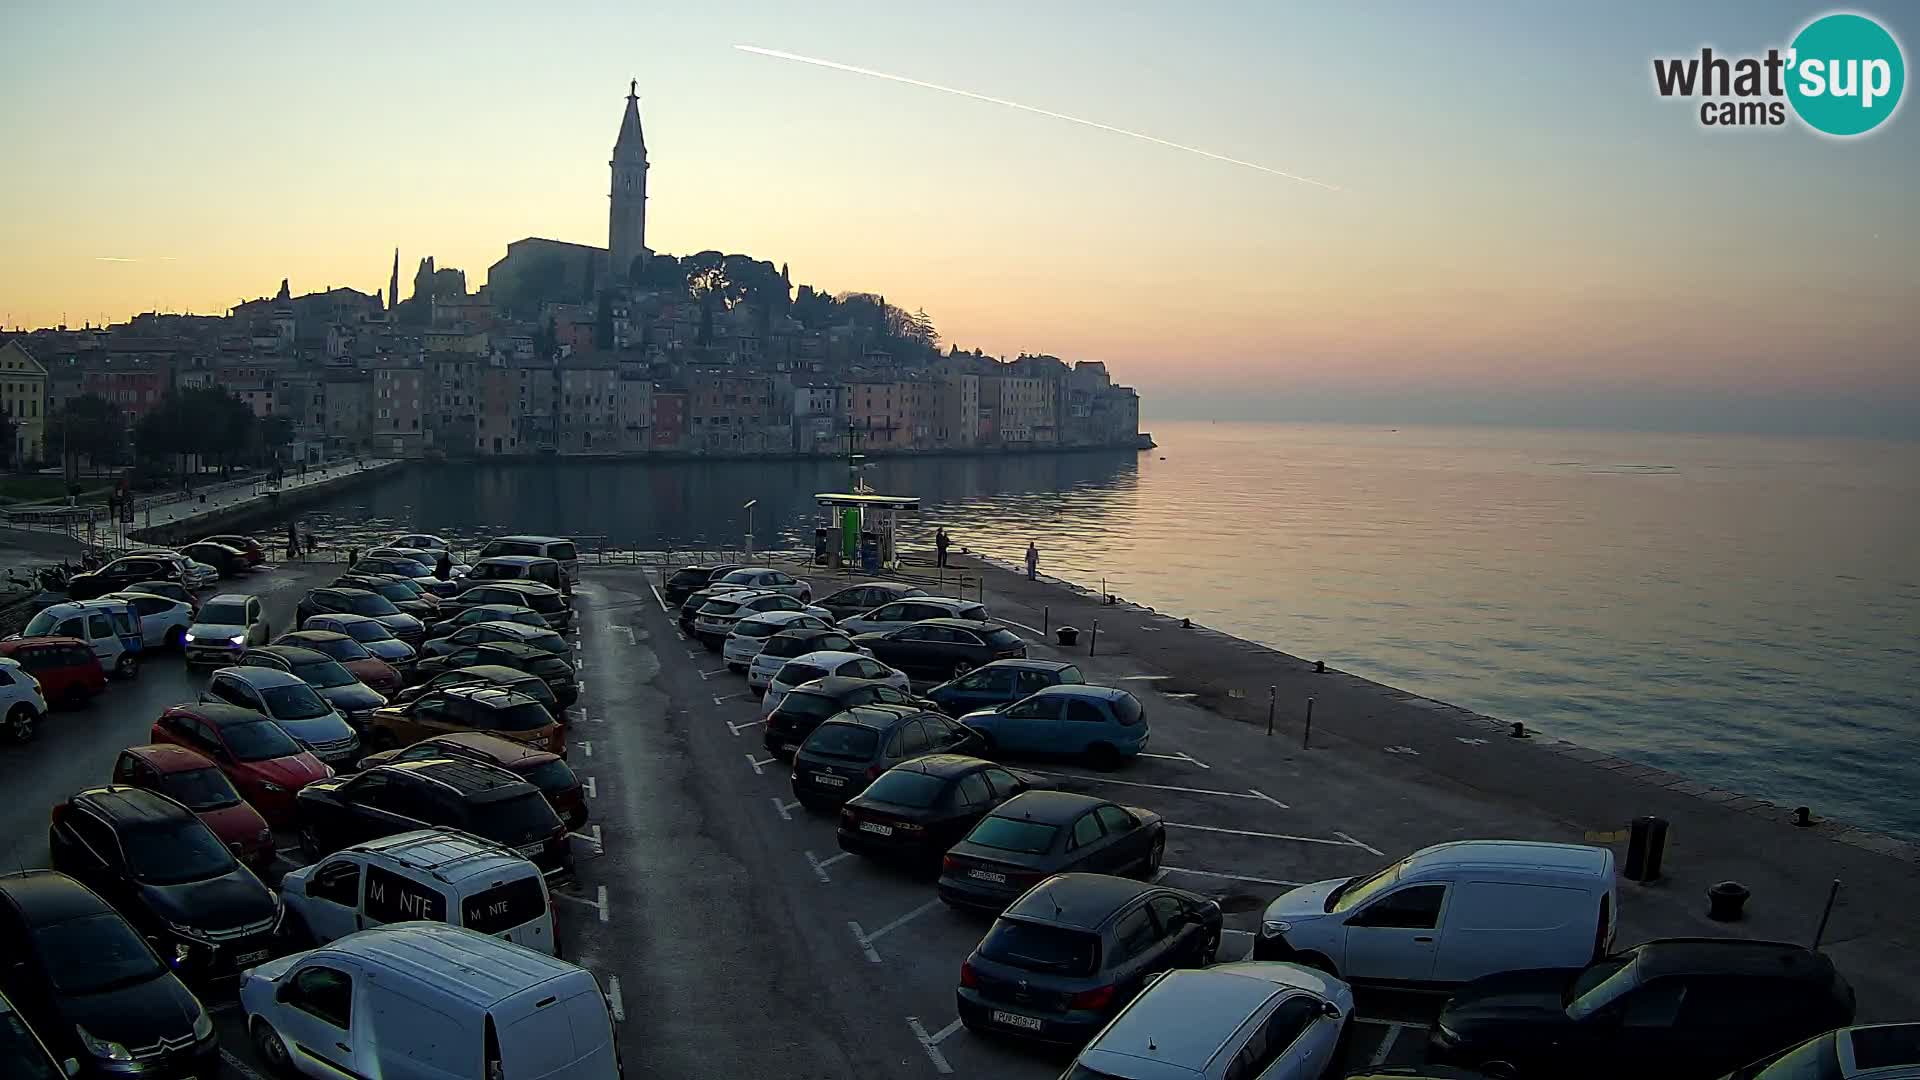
(22, 722)
(1155, 854)
(272, 1050)
(177, 639)
(961, 668)
(125, 667)
(1103, 757)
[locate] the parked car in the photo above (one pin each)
(557, 548)
(899, 613)
(405, 599)
(255, 552)
(849, 751)
(557, 671)
(424, 541)
(93, 988)
(191, 779)
(412, 587)
(437, 875)
(786, 645)
(349, 696)
(172, 590)
(124, 571)
(1037, 834)
(548, 602)
(410, 568)
(942, 648)
(1251, 1019)
(1874, 1052)
(506, 678)
(471, 707)
(767, 579)
(750, 634)
(264, 762)
(1075, 950)
(1450, 913)
(1002, 682)
(190, 572)
(107, 626)
(698, 598)
(543, 769)
(539, 637)
(227, 626)
(918, 809)
(23, 1054)
(810, 704)
(821, 665)
(688, 579)
(226, 561)
(1674, 1007)
(22, 703)
(1104, 725)
(718, 616)
(163, 868)
(532, 568)
(513, 613)
(163, 621)
(299, 709)
(488, 802)
(371, 633)
(344, 601)
(376, 673)
(67, 671)
(499, 1010)
(860, 599)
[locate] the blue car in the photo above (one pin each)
(1002, 682)
(1104, 725)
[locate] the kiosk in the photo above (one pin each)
(859, 529)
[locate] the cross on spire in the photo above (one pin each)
(633, 89)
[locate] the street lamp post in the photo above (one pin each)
(748, 507)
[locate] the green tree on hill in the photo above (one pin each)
(87, 425)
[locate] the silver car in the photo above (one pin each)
(906, 612)
(766, 579)
(1262, 1020)
(819, 665)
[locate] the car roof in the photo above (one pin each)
(802, 633)
(167, 758)
(528, 539)
(833, 686)
(1511, 854)
(220, 713)
(1022, 663)
(494, 673)
(343, 616)
(945, 766)
(970, 625)
(1879, 1051)
(1084, 901)
(513, 560)
(45, 897)
(1046, 807)
(1190, 1016)
(1083, 690)
(36, 642)
(533, 587)
(487, 695)
(261, 678)
(876, 715)
(1731, 956)
(131, 805)
(314, 635)
(505, 751)
(513, 648)
(346, 589)
(828, 656)
(779, 617)
(953, 600)
(444, 853)
(897, 588)
(520, 630)
(232, 598)
(292, 654)
(476, 781)
(477, 969)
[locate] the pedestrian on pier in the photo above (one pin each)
(293, 542)
(940, 543)
(1033, 561)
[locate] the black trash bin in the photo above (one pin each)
(1646, 848)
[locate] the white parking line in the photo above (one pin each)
(600, 903)
(1394, 1028)
(722, 699)
(1188, 758)
(705, 675)
(1143, 678)
(1358, 844)
(658, 599)
(580, 709)
(615, 1004)
(692, 654)
(1022, 626)
(682, 637)
(902, 920)
(579, 663)
(1227, 877)
(592, 837)
(1348, 842)
(1247, 794)
(603, 903)
(247, 1073)
(738, 728)
(632, 638)
(759, 763)
(931, 1043)
(586, 747)
(820, 865)
(784, 809)
(865, 946)
(592, 788)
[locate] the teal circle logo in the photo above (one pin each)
(1845, 74)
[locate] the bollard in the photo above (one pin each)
(1186, 623)
(1646, 847)
(1319, 667)
(1271, 690)
(1725, 901)
(1820, 933)
(1046, 616)
(1518, 731)
(1803, 816)
(1093, 637)
(1306, 733)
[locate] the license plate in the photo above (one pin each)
(827, 780)
(876, 828)
(791, 748)
(989, 875)
(251, 958)
(1025, 1023)
(531, 850)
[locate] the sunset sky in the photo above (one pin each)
(1523, 228)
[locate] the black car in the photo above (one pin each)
(119, 574)
(355, 699)
(810, 704)
(544, 599)
(228, 560)
(942, 648)
(556, 670)
(487, 801)
(480, 633)
(345, 601)
(920, 808)
(157, 862)
(407, 568)
(1682, 1007)
(860, 599)
(89, 983)
(1068, 955)
(1041, 833)
(513, 613)
(402, 597)
(689, 578)
(846, 753)
(523, 682)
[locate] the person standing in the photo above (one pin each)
(940, 542)
(443, 567)
(293, 541)
(1033, 561)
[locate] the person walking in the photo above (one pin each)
(443, 567)
(1033, 561)
(940, 542)
(293, 541)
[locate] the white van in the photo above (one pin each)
(109, 627)
(440, 875)
(428, 1001)
(1450, 913)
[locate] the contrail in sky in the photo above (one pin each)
(817, 62)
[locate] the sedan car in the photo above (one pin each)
(124, 571)
(90, 984)
(557, 671)
(191, 779)
(405, 597)
(151, 858)
(860, 599)
(506, 678)
(163, 619)
(349, 696)
(899, 613)
(1075, 949)
(512, 613)
(409, 568)
(261, 759)
(810, 704)
(920, 808)
(749, 635)
(225, 627)
(379, 675)
(848, 752)
(820, 665)
(480, 633)
(545, 770)
(788, 644)
(942, 648)
(1042, 833)
(371, 633)
(766, 579)
(689, 579)
(226, 561)
(345, 601)
(1002, 682)
(718, 616)
(1104, 725)
(299, 709)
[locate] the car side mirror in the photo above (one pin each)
(71, 1066)
(1329, 1010)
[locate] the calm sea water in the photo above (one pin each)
(1740, 610)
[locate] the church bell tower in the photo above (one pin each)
(627, 212)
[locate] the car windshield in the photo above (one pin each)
(340, 648)
(1358, 890)
(550, 665)
(1002, 638)
(367, 631)
(719, 607)
(176, 852)
(325, 674)
(370, 604)
(852, 741)
(520, 820)
(223, 614)
(393, 590)
(904, 787)
(200, 789)
(260, 740)
(1600, 986)
(804, 703)
(555, 775)
(688, 576)
(294, 701)
(553, 643)
(526, 716)
(796, 673)
(41, 624)
(535, 688)
(1071, 674)
(1034, 947)
(95, 953)
(1012, 834)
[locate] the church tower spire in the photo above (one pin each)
(393, 284)
(627, 213)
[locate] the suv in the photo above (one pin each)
(901, 613)
(224, 627)
(481, 632)
(556, 670)
(123, 572)
(545, 770)
(513, 613)
(845, 754)
(856, 599)
(258, 755)
(386, 799)
(559, 549)
(507, 678)
(689, 579)
(421, 604)
(299, 709)
(154, 860)
(91, 985)
(522, 568)
(548, 602)
(1234, 1020)
(471, 707)
(439, 874)
(370, 632)
(350, 654)
(21, 703)
(346, 601)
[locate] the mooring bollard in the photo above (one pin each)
(1803, 816)
(1319, 667)
(1068, 635)
(1046, 616)
(1306, 733)
(1093, 637)
(1725, 901)
(1271, 691)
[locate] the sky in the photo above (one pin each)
(1523, 230)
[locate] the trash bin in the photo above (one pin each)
(1646, 847)
(1067, 635)
(820, 545)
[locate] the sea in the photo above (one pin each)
(1741, 610)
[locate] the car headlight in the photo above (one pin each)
(265, 838)
(237, 639)
(192, 637)
(101, 1048)
(202, 1026)
(1274, 927)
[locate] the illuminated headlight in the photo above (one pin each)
(1274, 927)
(192, 637)
(202, 1026)
(100, 1048)
(237, 639)
(181, 952)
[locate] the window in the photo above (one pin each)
(1116, 820)
(1085, 712)
(1027, 682)
(1414, 908)
(1655, 1005)
(1087, 831)
(1169, 912)
(394, 898)
(96, 835)
(99, 626)
(1135, 934)
(337, 882)
(1036, 708)
(1281, 1029)
(973, 790)
(912, 740)
(324, 993)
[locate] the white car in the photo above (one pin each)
(163, 620)
(750, 634)
(1268, 1020)
(819, 665)
(21, 703)
(716, 619)
(228, 624)
(906, 612)
(426, 541)
(785, 645)
(766, 579)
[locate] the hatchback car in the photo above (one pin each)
(512, 613)
(545, 770)
(376, 673)
(345, 601)
(506, 678)
(163, 619)
(920, 808)
(406, 598)
(788, 644)
(766, 579)
(1075, 949)
(191, 779)
(172, 590)
(860, 599)
(843, 755)
(899, 613)
(299, 709)
(226, 626)
(349, 696)
(1873, 1052)
(557, 671)
(68, 672)
(1041, 833)
(821, 665)
(942, 648)
(22, 704)
(1267, 1020)
(261, 759)
(490, 803)
(1099, 723)
(1001, 682)
(370, 633)
(750, 635)
(810, 704)
(151, 858)
(718, 616)
(472, 707)
(123, 572)
(226, 560)
(90, 984)
(1672, 1007)
(558, 548)
(548, 602)
(690, 579)
(540, 637)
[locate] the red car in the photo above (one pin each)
(547, 771)
(255, 753)
(351, 655)
(247, 546)
(188, 778)
(68, 671)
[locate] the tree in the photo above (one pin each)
(9, 432)
(276, 431)
(91, 425)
